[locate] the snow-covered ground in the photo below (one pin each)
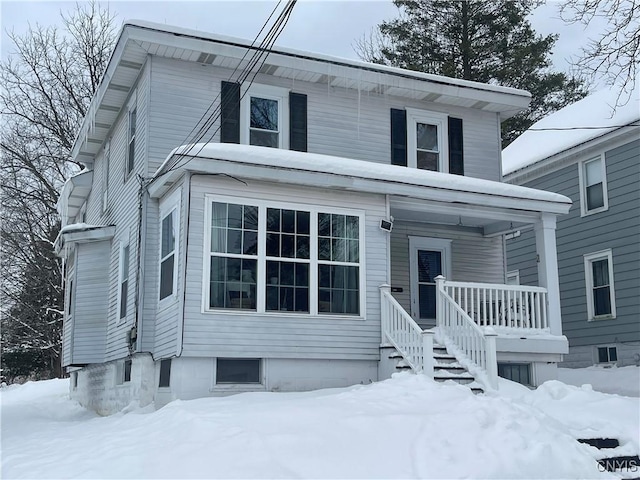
(623, 380)
(406, 427)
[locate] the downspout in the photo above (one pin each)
(184, 256)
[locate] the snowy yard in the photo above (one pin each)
(406, 427)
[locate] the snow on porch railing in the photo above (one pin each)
(495, 305)
(400, 330)
(456, 326)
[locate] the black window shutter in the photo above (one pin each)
(297, 122)
(456, 153)
(230, 113)
(398, 137)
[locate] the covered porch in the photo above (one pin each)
(448, 277)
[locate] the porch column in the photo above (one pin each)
(545, 230)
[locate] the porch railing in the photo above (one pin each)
(495, 305)
(457, 327)
(400, 330)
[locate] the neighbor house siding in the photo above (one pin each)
(341, 122)
(284, 336)
(91, 287)
(617, 228)
(474, 258)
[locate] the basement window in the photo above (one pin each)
(127, 371)
(238, 370)
(165, 373)
(516, 372)
(607, 354)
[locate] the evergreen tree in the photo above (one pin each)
(490, 42)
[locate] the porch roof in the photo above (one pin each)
(409, 189)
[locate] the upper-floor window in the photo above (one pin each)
(601, 299)
(275, 258)
(593, 186)
(131, 151)
(169, 223)
(264, 117)
(426, 140)
(106, 157)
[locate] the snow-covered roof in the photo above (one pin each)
(82, 233)
(361, 175)
(563, 130)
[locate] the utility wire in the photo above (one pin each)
(256, 61)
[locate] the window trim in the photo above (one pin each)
(132, 109)
(106, 157)
(514, 275)
(588, 260)
(441, 120)
(582, 177)
(170, 206)
(281, 95)
(124, 245)
(262, 258)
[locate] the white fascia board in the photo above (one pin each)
(513, 99)
(357, 180)
(123, 38)
(82, 234)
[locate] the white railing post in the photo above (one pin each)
(384, 313)
(439, 304)
(427, 353)
(491, 356)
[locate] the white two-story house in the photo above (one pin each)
(286, 233)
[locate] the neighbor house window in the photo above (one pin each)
(131, 151)
(599, 284)
(268, 258)
(169, 227)
(123, 292)
(265, 117)
(238, 370)
(593, 186)
(607, 354)
(427, 140)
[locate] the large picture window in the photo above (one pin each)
(599, 283)
(267, 258)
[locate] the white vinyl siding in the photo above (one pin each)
(341, 122)
(283, 334)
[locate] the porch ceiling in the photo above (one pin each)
(490, 221)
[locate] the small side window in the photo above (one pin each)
(127, 370)
(131, 151)
(165, 373)
(607, 354)
(124, 281)
(601, 300)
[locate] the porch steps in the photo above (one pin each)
(627, 466)
(446, 367)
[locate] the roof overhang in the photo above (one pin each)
(74, 193)
(464, 201)
(82, 233)
(139, 39)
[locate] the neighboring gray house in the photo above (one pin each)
(599, 240)
(228, 266)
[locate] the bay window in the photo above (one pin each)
(275, 258)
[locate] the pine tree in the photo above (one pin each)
(490, 42)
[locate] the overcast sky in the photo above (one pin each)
(322, 26)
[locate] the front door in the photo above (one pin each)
(429, 257)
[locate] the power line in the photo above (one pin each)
(550, 129)
(256, 61)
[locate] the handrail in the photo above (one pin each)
(458, 328)
(401, 331)
(503, 306)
